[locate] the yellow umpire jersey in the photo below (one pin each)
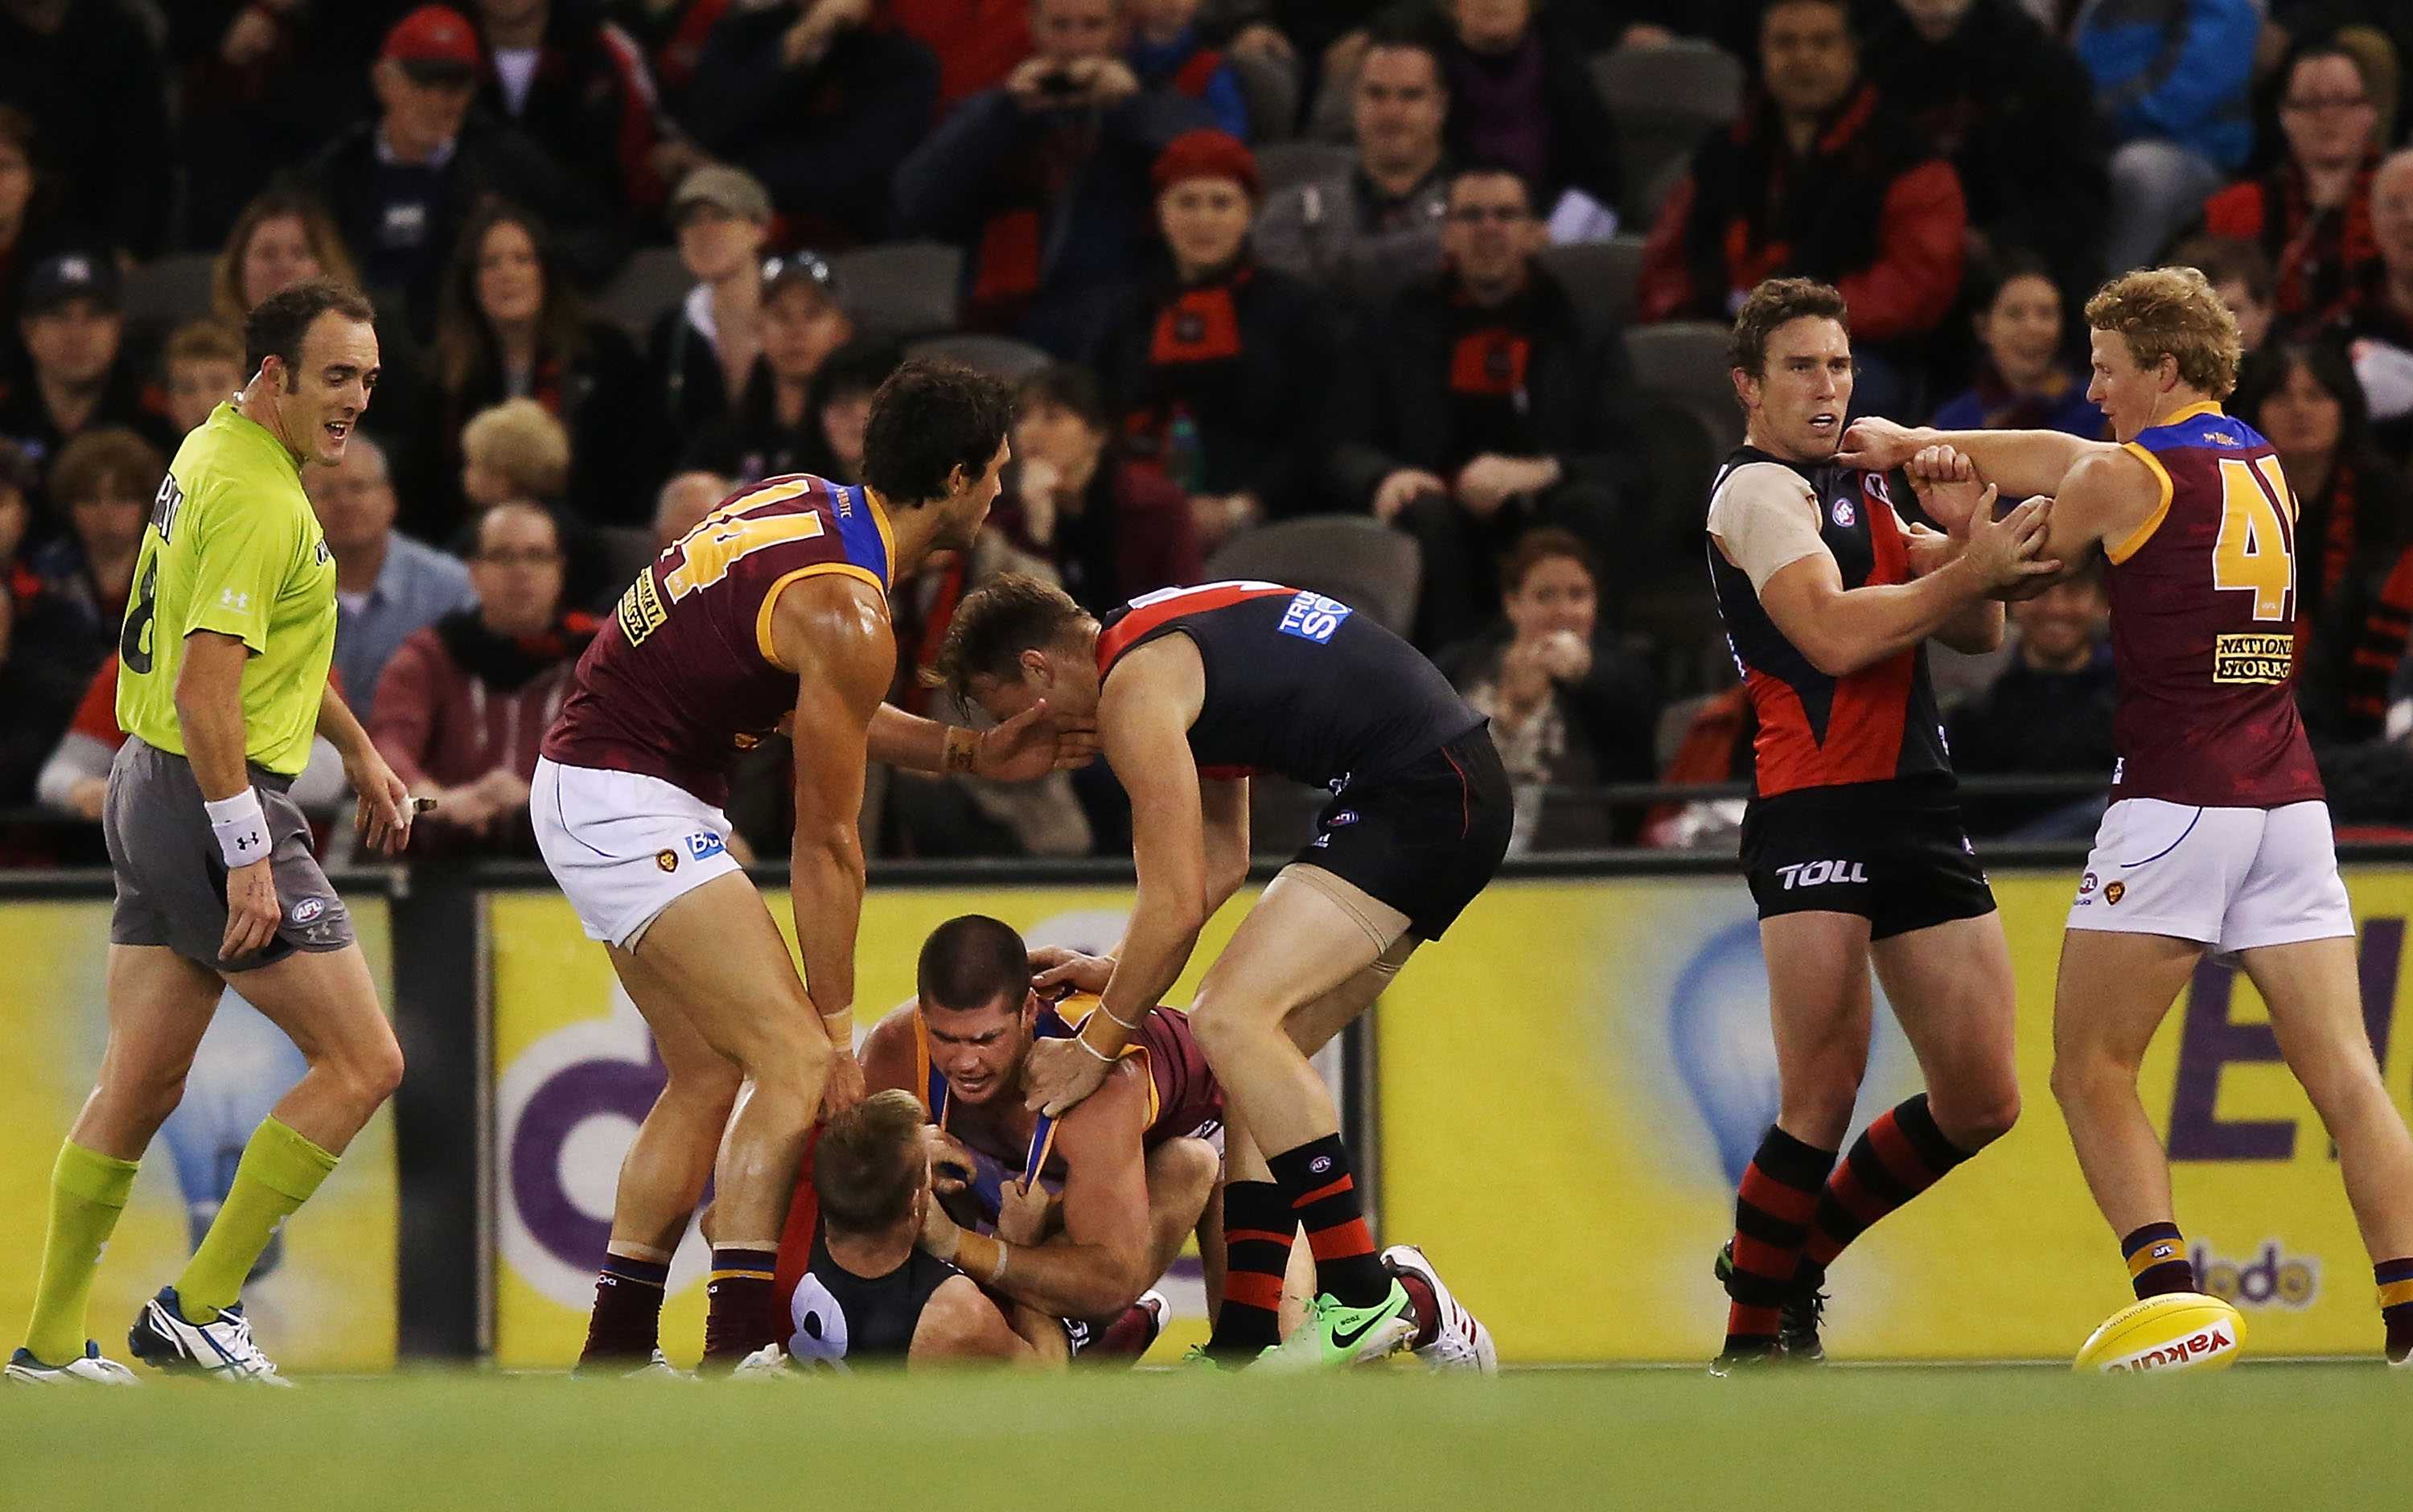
(233, 547)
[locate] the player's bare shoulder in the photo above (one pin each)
(829, 621)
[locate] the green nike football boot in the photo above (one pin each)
(1333, 1335)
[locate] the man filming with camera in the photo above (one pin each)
(1044, 180)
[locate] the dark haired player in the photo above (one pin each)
(775, 608)
(862, 1285)
(1192, 689)
(222, 685)
(1853, 842)
(2217, 838)
(1137, 1163)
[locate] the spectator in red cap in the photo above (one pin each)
(79, 377)
(260, 85)
(401, 186)
(88, 77)
(1218, 369)
(576, 85)
(1042, 180)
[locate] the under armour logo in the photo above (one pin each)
(233, 599)
(245, 842)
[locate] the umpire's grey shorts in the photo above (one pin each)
(171, 882)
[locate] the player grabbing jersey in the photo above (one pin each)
(2216, 837)
(772, 611)
(1192, 691)
(865, 1289)
(222, 685)
(1853, 842)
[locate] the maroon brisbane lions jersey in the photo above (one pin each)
(1816, 730)
(682, 678)
(2203, 625)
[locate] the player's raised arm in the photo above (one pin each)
(2020, 463)
(1765, 523)
(1144, 715)
(832, 632)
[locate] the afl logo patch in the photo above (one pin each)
(2113, 892)
(1844, 514)
(667, 860)
(308, 908)
(2086, 884)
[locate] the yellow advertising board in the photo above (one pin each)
(575, 1071)
(324, 1298)
(1570, 1083)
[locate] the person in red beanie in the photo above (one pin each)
(1220, 366)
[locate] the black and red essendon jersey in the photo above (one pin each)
(1873, 725)
(1297, 684)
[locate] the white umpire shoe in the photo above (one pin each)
(92, 1370)
(1462, 1342)
(219, 1350)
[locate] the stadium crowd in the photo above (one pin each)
(1255, 263)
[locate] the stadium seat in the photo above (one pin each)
(166, 292)
(1664, 99)
(1360, 561)
(900, 288)
(1684, 362)
(1600, 275)
(654, 280)
(1001, 357)
(1281, 163)
(1272, 87)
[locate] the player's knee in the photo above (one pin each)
(2081, 1078)
(371, 1072)
(1977, 1116)
(139, 1098)
(1181, 1175)
(703, 1086)
(788, 1060)
(1221, 1023)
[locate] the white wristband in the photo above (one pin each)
(240, 827)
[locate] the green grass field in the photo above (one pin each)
(2330, 1437)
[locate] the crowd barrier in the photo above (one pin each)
(1555, 1101)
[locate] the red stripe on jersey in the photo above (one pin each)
(796, 1237)
(1865, 715)
(1146, 615)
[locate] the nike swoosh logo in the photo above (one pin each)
(1348, 1339)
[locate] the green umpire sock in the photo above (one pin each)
(88, 1190)
(278, 1171)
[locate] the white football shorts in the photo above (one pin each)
(2234, 879)
(624, 845)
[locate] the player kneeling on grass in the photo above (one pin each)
(867, 1287)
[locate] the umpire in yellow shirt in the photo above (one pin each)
(227, 642)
